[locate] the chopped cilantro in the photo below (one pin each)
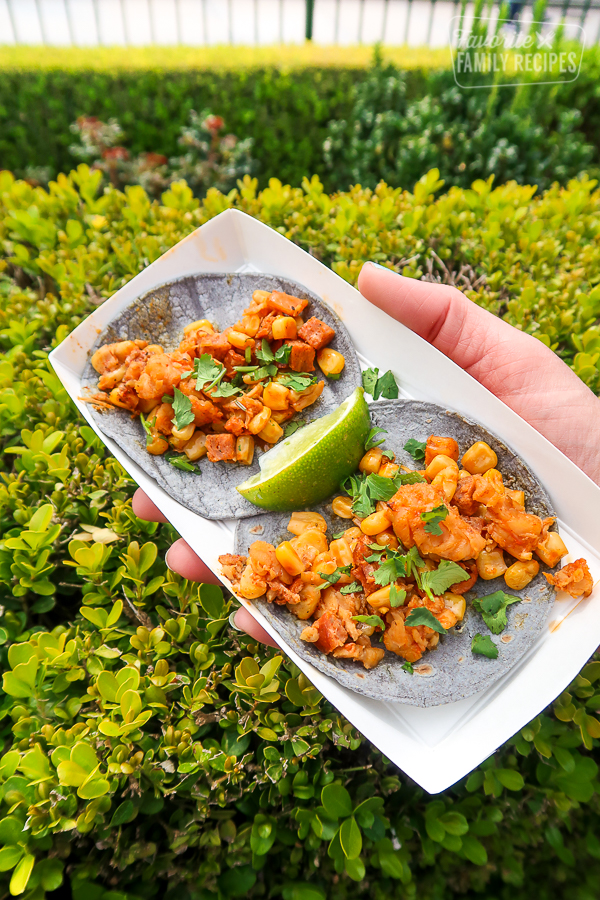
(166, 398)
(182, 410)
(378, 552)
(439, 580)
(264, 372)
(493, 609)
(483, 645)
(420, 615)
(334, 377)
(373, 621)
(245, 369)
(226, 389)
(408, 667)
(409, 478)
(181, 462)
(387, 454)
(264, 353)
(147, 429)
(248, 354)
(282, 356)
(335, 576)
(340, 534)
(297, 382)
(433, 519)
(292, 427)
(380, 487)
(207, 372)
(386, 386)
(416, 449)
(397, 596)
(413, 563)
(353, 588)
(390, 569)
(373, 439)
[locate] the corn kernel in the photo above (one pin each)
(260, 296)
(330, 361)
(309, 600)
(479, 458)
(341, 552)
(259, 421)
(203, 324)
(239, 340)
(446, 481)
(490, 564)
(371, 461)
(342, 507)
(196, 446)
(380, 598)
(310, 543)
(495, 478)
(552, 549)
(251, 585)
(388, 469)
(276, 396)
(284, 328)
(271, 432)
(387, 539)
(244, 449)
(437, 464)
(517, 497)
(289, 559)
(375, 523)
(302, 521)
(157, 445)
(520, 574)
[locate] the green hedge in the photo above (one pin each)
(137, 742)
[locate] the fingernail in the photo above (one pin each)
(377, 265)
(232, 621)
(167, 560)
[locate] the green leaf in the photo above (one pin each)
(510, 779)
(302, 891)
(41, 519)
(264, 352)
(182, 410)
(483, 645)
(355, 868)
(282, 356)
(211, 598)
(50, 872)
(408, 667)
(433, 517)
(297, 382)
(369, 381)
(123, 814)
(21, 875)
(373, 621)
(387, 386)
(474, 850)
(397, 597)
(9, 857)
(454, 823)
(181, 462)
(97, 787)
(355, 587)
(416, 449)
(493, 609)
(336, 800)
(420, 615)
(373, 439)
(437, 581)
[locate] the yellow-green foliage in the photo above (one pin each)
(147, 750)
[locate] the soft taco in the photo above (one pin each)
(428, 577)
(200, 376)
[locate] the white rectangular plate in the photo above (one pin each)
(439, 745)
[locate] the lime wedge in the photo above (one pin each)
(308, 467)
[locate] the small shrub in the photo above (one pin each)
(147, 749)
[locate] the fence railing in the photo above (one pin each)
(204, 22)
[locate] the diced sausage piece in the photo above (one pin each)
(216, 345)
(285, 303)
(220, 447)
(302, 357)
(437, 446)
(332, 633)
(266, 327)
(316, 333)
(233, 358)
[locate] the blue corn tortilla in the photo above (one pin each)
(451, 671)
(159, 317)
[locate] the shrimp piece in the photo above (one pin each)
(574, 578)
(160, 376)
(512, 528)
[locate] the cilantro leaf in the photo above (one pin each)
(401, 478)
(372, 438)
(282, 356)
(264, 353)
(334, 376)
(340, 534)
(180, 462)
(439, 580)
(420, 615)
(248, 354)
(413, 563)
(380, 487)
(408, 667)
(245, 369)
(390, 569)
(433, 519)
(354, 588)
(182, 410)
(397, 597)
(387, 386)
(374, 621)
(292, 427)
(416, 449)
(147, 428)
(336, 575)
(493, 609)
(483, 645)
(356, 487)
(207, 371)
(369, 381)
(166, 398)
(226, 389)
(298, 382)
(264, 372)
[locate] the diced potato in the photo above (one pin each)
(490, 564)
(437, 464)
(552, 549)
(259, 421)
(518, 497)
(302, 521)
(456, 603)
(244, 449)
(376, 522)
(309, 600)
(342, 507)
(289, 559)
(248, 325)
(196, 446)
(276, 396)
(284, 328)
(330, 361)
(371, 461)
(479, 458)
(271, 432)
(520, 574)
(380, 598)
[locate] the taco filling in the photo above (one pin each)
(221, 393)
(419, 540)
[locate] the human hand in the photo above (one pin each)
(514, 366)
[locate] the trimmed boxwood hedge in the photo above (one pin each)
(147, 749)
